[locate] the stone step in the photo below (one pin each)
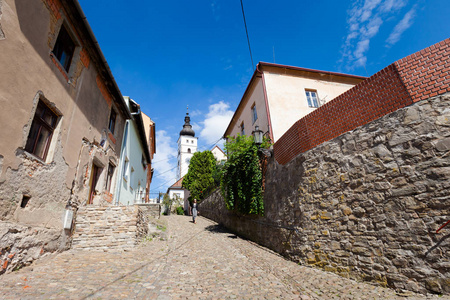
(105, 227)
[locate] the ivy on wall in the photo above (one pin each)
(241, 182)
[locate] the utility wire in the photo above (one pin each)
(165, 159)
(248, 40)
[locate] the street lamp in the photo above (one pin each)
(257, 136)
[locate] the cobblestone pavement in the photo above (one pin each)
(198, 261)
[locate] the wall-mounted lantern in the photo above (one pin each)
(258, 136)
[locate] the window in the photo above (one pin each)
(125, 168)
(242, 129)
(112, 121)
(64, 48)
(131, 177)
(312, 98)
(189, 150)
(42, 127)
(254, 114)
(143, 162)
(109, 177)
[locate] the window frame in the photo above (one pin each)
(60, 46)
(242, 128)
(309, 98)
(31, 144)
(109, 177)
(254, 113)
(112, 120)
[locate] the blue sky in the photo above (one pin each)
(170, 54)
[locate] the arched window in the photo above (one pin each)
(189, 150)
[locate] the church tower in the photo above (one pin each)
(187, 146)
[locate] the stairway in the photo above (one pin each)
(103, 228)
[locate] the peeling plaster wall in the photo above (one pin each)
(2, 34)
(43, 183)
(29, 73)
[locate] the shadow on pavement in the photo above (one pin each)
(220, 229)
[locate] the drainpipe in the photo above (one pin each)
(267, 102)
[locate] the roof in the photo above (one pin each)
(177, 184)
(265, 64)
(80, 22)
(135, 110)
(218, 148)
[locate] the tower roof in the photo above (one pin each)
(187, 127)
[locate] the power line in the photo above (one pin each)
(159, 174)
(172, 157)
(248, 40)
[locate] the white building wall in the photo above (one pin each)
(187, 146)
(132, 174)
(287, 101)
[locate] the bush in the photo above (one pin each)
(180, 210)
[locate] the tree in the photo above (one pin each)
(241, 183)
(167, 203)
(199, 178)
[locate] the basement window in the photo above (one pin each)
(64, 48)
(24, 201)
(41, 132)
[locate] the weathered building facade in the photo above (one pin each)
(62, 122)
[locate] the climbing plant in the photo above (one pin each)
(199, 178)
(241, 182)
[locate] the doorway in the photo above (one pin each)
(94, 180)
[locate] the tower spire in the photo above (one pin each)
(187, 127)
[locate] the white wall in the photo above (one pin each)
(184, 144)
(132, 176)
(287, 98)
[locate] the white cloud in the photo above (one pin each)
(216, 122)
(404, 24)
(390, 5)
(215, 10)
(165, 161)
(364, 21)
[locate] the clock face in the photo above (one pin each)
(188, 160)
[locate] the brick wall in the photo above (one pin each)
(419, 76)
(426, 73)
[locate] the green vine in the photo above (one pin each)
(241, 182)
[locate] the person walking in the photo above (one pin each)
(194, 211)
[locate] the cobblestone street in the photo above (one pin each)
(198, 261)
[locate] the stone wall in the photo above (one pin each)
(20, 245)
(365, 205)
(146, 214)
(103, 228)
(113, 227)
